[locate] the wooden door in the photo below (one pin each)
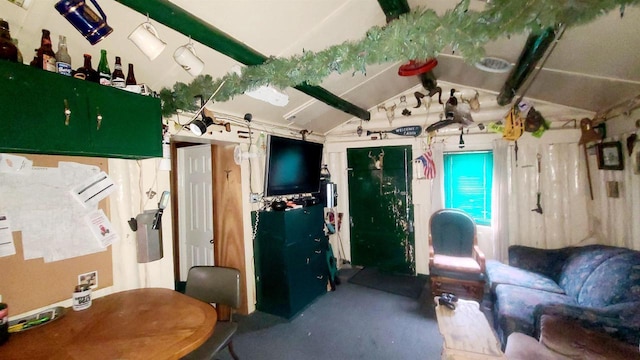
(381, 214)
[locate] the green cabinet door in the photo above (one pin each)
(34, 105)
(129, 123)
(381, 209)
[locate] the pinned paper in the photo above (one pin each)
(14, 164)
(94, 189)
(7, 247)
(101, 228)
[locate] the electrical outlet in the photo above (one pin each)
(254, 198)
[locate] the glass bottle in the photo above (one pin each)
(4, 323)
(63, 60)
(46, 56)
(8, 50)
(87, 72)
(103, 69)
(34, 62)
(117, 77)
(131, 77)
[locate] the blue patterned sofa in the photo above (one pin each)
(596, 284)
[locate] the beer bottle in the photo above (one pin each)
(46, 56)
(34, 62)
(4, 323)
(131, 77)
(63, 60)
(8, 50)
(117, 77)
(87, 72)
(103, 69)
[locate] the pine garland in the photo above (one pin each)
(419, 34)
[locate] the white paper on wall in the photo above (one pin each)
(93, 189)
(7, 247)
(101, 228)
(51, 220)
(14, 164)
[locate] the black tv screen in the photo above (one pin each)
(293, 167)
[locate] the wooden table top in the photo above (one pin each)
(466, 332)
(150, 323)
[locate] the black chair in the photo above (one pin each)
(215, 285)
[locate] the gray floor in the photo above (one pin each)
(354, 322)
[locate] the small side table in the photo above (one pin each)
(467, 333)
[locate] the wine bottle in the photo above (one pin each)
(117, 77)
(131, 77)
(63, 60)
(8, 50)
(103, 69)
(46, 56)
(87, 72)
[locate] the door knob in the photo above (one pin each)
(211, 241)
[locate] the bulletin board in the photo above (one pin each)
(30, 284)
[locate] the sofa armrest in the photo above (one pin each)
(547, 262)
(620, 321)
(478, 255)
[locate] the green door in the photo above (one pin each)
(380, 208)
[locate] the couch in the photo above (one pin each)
(598, 285)
(564, 338)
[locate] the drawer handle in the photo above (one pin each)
(307, 261)
(320, 277)
(67, 113)
(98, 118)
(316, 239)
(318, 251)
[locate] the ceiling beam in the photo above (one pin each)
(185, 23)
(394, 8)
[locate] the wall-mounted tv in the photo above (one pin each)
(293, 167)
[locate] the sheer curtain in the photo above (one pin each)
(437, 185)
(500, 199)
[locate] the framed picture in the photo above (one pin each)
(610, 156)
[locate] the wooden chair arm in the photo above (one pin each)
(432, 252)
(478, 255)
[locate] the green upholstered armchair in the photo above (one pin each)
(456, 263)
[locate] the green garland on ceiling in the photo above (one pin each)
(419, 34)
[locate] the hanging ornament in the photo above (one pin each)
(390, 112)
(403, 101)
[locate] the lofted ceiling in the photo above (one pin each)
(591, 68)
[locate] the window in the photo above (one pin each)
(467, 183)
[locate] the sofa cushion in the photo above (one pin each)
(499, 273)
(566, 337)
(525, 347)
(616, 280)
(456, 263)
(581, 264)
(515, 305)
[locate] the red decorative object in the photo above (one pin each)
(414, 67)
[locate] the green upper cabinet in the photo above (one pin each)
(33, 120)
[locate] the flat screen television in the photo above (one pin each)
(292, 167)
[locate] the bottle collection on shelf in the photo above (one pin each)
(60, 62)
